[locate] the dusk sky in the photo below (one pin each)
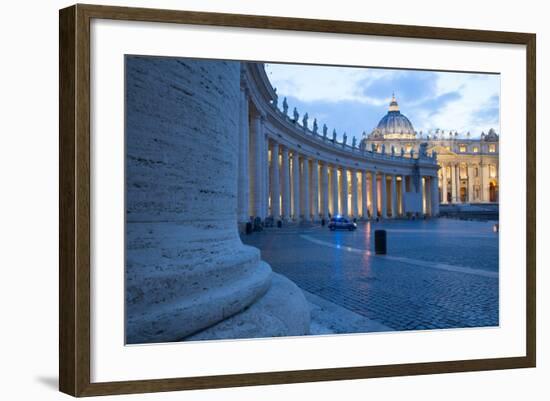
(355, 99)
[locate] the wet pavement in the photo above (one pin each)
(439, 273)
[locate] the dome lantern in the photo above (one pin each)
(393, 104)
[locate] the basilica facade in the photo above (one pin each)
(291, 169)
(469, 166)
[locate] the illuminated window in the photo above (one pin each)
(462, 148)
(448, 148)
(492, 171)
(475, 149)
(492, 148)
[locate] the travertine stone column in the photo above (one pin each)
(258, 170)
(485, 182)
(275, 184)
(354, 194)
(374, 197)
(444, 183)
(384, 193)
(243, 185)
(393, 197)
(285, 177)
(265, 166)
(344, 192)
(186, 269)
(324, 191)
(296, 186)
(453, 184)
(364, 200)
(305, 187)
(335, 191)
(458, 199)
(470, 183)
(435, 196)
(427, 196)
(314, 189)
(403, 195)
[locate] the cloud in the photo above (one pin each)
(411, 87)
(355, 99)
(341, 115)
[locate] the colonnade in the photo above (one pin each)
(283, 176)
(291, 185)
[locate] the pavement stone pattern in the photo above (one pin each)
(399, 295)
(329, 318)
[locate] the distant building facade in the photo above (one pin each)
(469, 167)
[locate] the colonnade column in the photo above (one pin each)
(384, 199)
(285, 177)
(444, 184)
(374, 196)
(354, 194)
(275, 183)
(457, 177)
(427, 196)
(458, 198)
(435, 196)
(393, 197)
(314, 189)
(258, 167)
(403, 193)
(470, 183)
(485, 182)
(454, 180)
(344, 192)
(364, 200)
(335, 192)
(305, 187)
(324, 190)
(266, 171)
(295, 186)
(243, 180)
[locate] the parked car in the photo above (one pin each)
(342, 223)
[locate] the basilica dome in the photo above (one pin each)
(394, 125)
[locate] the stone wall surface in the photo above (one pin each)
(186, 268)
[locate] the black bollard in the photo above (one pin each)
(323, 222)
(249, 228)
(279, 223)
(380, 242)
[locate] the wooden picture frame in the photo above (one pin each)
(74, 199)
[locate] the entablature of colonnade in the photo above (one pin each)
(330, 154)
(280, 128)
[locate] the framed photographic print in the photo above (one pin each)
(250, 200)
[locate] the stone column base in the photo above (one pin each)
(282, 311)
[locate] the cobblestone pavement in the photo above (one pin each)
(415, 287)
